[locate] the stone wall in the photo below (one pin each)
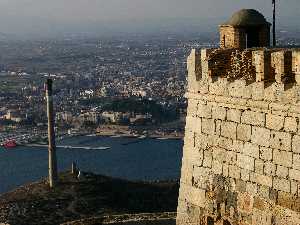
(241, 159)
(235, 37)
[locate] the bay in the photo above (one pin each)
(128, 158)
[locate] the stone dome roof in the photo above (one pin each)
(247, 17)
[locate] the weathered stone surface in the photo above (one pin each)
(219, 113)
(283, 158)
(261, 136)
(294, 174)
(274, 122)
(296, 144)
(244, 132)
(204, 111)
(234, 115)
(282, 184)
(282, 171)
(228, 129)
(261, 179)
(296, 161)
(270, 169)
(281, 140)
(251, 150)
(290, 124)
(208, 126)
(266, 153)
(253, 118)
(245, 162)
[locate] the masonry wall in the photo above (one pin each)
(241, 159)
(235, 37)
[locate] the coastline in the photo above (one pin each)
(125, 131)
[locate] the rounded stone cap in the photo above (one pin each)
(247, 17)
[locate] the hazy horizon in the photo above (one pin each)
(59, 17)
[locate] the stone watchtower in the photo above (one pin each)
(247, 28)
(241, 158)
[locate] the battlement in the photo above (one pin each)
(256, 68)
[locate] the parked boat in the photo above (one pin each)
(9, 144)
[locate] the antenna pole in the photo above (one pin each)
(53, 178)
(274, 22)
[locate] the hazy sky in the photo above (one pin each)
(25, 16)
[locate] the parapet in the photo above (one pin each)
(279, 68)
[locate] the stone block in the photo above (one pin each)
(231, 157)
(296, 144)
(270, 169)
(237, 146)
(234, 172)
(196, 197)
(261, 217)
(245, 175)
(201, 176)
(294, 188)
(258, 90)
(261, 179)
(266, 154)
(251, 150)
(260, 136)
(219, 113)
(245, 203)
(283, 158)
(281, 140)
(207, 161)
(282, 171)
(263, 191)
(225, 171)
(217, 167)
(245, 162)
(224, 142)
(259, 166)
(218, 127)
(208, 126)
(192, 107)
(274, 122)
(253, 118)
(234, 115)
(219, 87)
(244, 132)
(290, 124)
(204, 111)
(296, 161)
(294, 174)
(228, 129)
(193, 123)
(251, 188)
(282, 184)
(219, 154)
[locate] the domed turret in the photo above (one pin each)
(246, 28)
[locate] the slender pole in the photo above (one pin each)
(274, 22)
(53, 178)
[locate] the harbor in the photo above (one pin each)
(147, 159)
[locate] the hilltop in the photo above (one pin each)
(95, 196)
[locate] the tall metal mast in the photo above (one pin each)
(53, 177)
(274, 22)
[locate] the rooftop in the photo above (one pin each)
(247, 17)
